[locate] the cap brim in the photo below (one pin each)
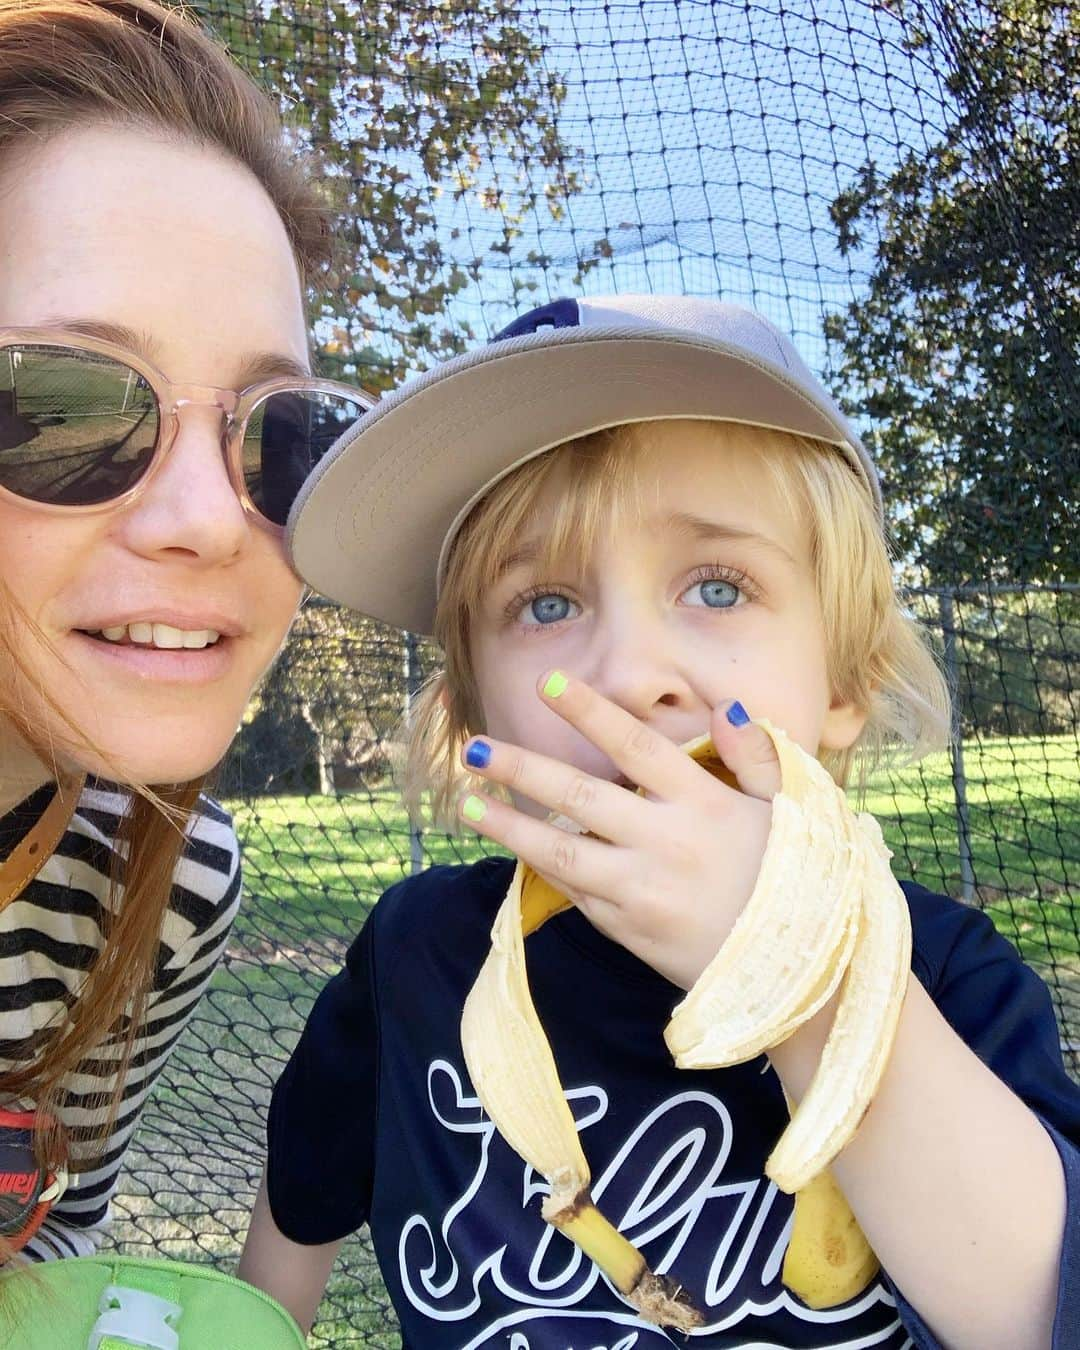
(368, 526)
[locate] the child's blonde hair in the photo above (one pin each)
(878, 657)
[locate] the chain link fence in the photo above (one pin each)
(893, 184)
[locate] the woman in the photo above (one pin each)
(156, 418)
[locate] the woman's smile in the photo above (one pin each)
(170, 606)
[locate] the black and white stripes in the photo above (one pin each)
(51, 934)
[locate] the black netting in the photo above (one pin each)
(895, 184)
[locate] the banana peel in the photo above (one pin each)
(825, 914)
(514, 1075)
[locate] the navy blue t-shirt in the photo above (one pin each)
(375, 1120)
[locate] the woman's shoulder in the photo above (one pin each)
(103, 804)
(211, 836)
(206, 882)
(205, 894)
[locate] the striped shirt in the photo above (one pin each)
(50, 936)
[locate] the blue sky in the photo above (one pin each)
(714, 137)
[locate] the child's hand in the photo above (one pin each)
(671, 870)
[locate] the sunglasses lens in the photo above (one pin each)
(76, 428)
(286, 436)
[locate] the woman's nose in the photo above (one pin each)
(190, 507)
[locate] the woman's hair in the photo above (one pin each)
(66, 64)
(877, 656)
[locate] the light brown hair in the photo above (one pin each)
(878, 658)
(63, 64)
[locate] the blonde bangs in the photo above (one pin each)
(878, 657)
(447, 711)
(598, 468)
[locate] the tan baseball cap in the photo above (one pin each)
(373, 524)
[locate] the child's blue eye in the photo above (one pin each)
(549, 608)
(714, 593)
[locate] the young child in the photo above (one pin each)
(629, 522)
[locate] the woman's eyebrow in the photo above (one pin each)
(141, 344)
(710, 531)
(258, 366)
(255, 366)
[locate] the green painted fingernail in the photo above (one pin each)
(473, 808)
(556, 684)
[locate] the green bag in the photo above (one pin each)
(129, 1303)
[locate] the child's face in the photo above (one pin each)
(708, 595)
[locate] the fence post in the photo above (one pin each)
(412, 684)
(956, 748)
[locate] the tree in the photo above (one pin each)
(1016, 658)
(329, 713)
(404, 103)
(964, 354)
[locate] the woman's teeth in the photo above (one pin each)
(159, 635)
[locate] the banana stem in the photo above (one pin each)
(654, 1296)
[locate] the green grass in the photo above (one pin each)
(314, 867)
(320, 856)
(1023, 798)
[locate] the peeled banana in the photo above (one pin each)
(825, 914)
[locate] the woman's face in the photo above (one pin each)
(173, 251)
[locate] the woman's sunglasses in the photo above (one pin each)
(85, 424)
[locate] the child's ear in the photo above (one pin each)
(842, 725)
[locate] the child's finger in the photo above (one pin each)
(602, 807)
(648, 760)
(575, 864)
(746, 749)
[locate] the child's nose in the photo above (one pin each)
(636, 669)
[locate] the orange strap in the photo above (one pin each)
(29, 1191)
(38, 1191)
(30, 854)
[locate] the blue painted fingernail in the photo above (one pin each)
(478, 755)
(737, 715)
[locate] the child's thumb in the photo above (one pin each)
(746, 749)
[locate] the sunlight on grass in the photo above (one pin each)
(332, 856)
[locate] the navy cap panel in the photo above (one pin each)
(559, 314)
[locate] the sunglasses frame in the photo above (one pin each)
(236, 408)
